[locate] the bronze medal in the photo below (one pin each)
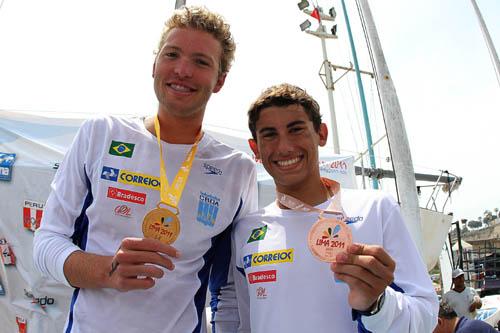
(328, 237)
(161, 224)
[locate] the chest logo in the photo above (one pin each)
(208, 207)
(257, 234)
(268, 258)
(124, 149)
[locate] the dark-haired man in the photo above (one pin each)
(464, 300)
(449, 322)
(378, 284)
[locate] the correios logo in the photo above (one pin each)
(130, 178)
(268, 258)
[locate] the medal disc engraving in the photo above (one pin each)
(328, 237)
(161, 224)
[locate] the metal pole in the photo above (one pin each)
(361, 96)
(460, 250)
(179, 3)
(451, 251)
(489, 42)
(396, 133)
(329, 89)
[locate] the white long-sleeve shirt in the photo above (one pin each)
(283, 288)
(107, 182)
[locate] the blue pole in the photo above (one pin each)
(362, 96)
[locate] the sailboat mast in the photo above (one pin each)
(489, 42)
(396, 133)
(368, 130)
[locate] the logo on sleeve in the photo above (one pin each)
(257, 234)
(119, 148)
(268, 258)
(354, 219)
(211, 170)
(208, 207)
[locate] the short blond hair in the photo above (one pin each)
(200, 18)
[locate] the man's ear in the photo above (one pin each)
(154, 68)
(323, 134)
(253, 145)
(220, 82)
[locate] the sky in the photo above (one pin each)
(92, 56)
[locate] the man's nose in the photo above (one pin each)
(183, 68)
(285, 145)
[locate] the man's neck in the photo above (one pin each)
(454, 324)
(313, 194)
(175, 130)
(459, 290)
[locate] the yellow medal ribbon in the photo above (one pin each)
(161, 223)
(171, 194)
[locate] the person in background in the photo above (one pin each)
(377, 284)
(140, 214)
(464, 300)
(449, 322)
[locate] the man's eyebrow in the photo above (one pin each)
(267, 129)
(171, 47)
(294, 123)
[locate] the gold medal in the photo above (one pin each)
(162, 224)
(328, 237)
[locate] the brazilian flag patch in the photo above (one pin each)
(257, 234)
(119, 148)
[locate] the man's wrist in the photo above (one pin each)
(375, 308)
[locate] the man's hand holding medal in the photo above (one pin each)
(138, 262)
(367, 270)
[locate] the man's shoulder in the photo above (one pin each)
(375, 195)
(216, 149)
(110, 123)
(113, 120)
(255, 220)
(368, 198)
(472, 325)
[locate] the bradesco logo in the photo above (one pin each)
(262, 276)
(268, 258)
(130, 178)
(126, 195)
